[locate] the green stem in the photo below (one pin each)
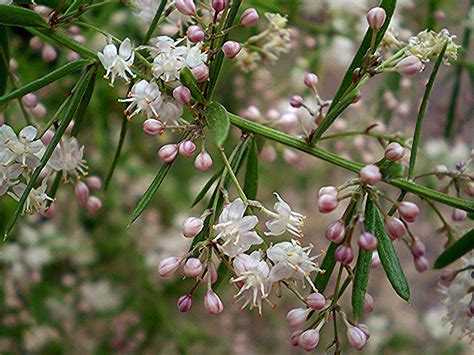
(233, 177)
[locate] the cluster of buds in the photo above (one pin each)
(83, 193)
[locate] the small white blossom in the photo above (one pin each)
(118, 63)
(23, 149)
(68, 158)
(428, 44)
(8, 173)
(144, 96)
(145, 9)
(36, 200)
(284, 219)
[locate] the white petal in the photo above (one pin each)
(280, 272)
(247, 223)
(125, 49)
(28, 133)
(237, 209)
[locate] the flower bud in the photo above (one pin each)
(39, 111)
(295, 337)
(336, 231)
(192, 226)
(296, 317)
(192, 267)
(365, 329)
(36, 43)
(368, 303)
(309, 339)
(376, 18)
(213, 303)
(231, 49)
(185, 303)
(418, 248)
(367, 241)
(47, 137)
(441, 171)
(296, 101)
(394, 151)
(469, 188)
(203, 161)
(370, 174)
(186, 7)
(167, 267)
(375, 260)
(153, 127)
(408, 211)
(316, 301)
(201, 73)
(48, 53)
(310, 80)
(195, 34)
(219, 5)
(290, 156)
(72, 56)
(82, 193)
(327, 203)
(182, 94)
(168, 153)
(448, 274)
(458, 215)
(327, 190)
(94, 204)
(49, 212)
(409, 66)
(288, 120)
(395, 227)
(30, 100)
(344, 254)
(187, 148)
(94, 182)
(249, 17)
(214, 276)
(356, 337)
(421, 264)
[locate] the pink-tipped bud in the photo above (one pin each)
(309, 339)
(49, 212)
(168, 153)
(219, 5)
(395, 228)
(458, 215)
(201, 73)
(316, 301)
(249, 17)
(295, 337)
(441, 171)
(192, 267)
(192, 226)
(39, 111)
(231, 49)
(344, 254)
(421, 264)
(36, 43)
(214, 274)
(367, 241)
(153, 127)
(375, 261)
(365, 329)
(186, 7)
(418, 248)
(296, 101)
(94, 182)
(167, 267)
(213, 303)
(448, 275)
(370, 174)
(310, 80)
(30, 100)
(296, 317)
(94, 204)
(47, 137)
(376, 18)
(394, 151)
(409, 66)
(336, 231)
(368, 303)
(195, 34)
(356, 337)
(82, 193)
(203, 161)
(187, 148)
(327, 190)
(48, 53)
(408, 211)
(72, 56)
(182, 94)
(327, 203)
(185, 303)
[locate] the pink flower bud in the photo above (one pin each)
(182, 94)
(249, 17)
(327, 203)
(309, 339)
(186, 7)
(408, 211)
(167, 267)
(395, 227)
(327, 190)
(219, 5)
(344, 254)
(168, 153)
(213, 303)
(201, 73)
(82, 193)
(203, 161)
(48, 53)
(296, 101)
(70, 126)
(30, 100)
(39, 111)
(192, 267)
(94, 204)
(448, 275)
(421, 264)
(418, 248)
(72, 56)
(296, 317)
(49, 212)
(336, 231)
(310, 80)
(47, 136)
(94, 182)
(290, 156)
(370, 174)
(367, 241)
(36, 43)
(213, 271)
(153, 127)
(409, 66)
(375, 261)
(458, 215)
(295, 337)
(195, 34)
(185, 303)
(187, 148)
(441, 171)
(469, 188)
(192, 226)
(376, 18)
(316, 301)
(356, 337)
(394, 151)
(231, 49)
(80, 39)
(368, 303)
(365, 329)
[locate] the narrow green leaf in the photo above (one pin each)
(187, 79)
(4, 59)
(19, 16)
(45, 80)
(118, 151)
(81, 111)
(218, 122)
(251, 174)
(458, 249)
(392, 170)
(206, 187)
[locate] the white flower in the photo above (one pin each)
(235, 230)
(36, 200)
(427, 44)
(284, 219)
(145, 9)
(167, 66)
(291, 261)
(161, 44)
(144, 96)
(68, 158)
(24, 148)
(252, 277)
(8, 173)
(170, 109)
(118, 63)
